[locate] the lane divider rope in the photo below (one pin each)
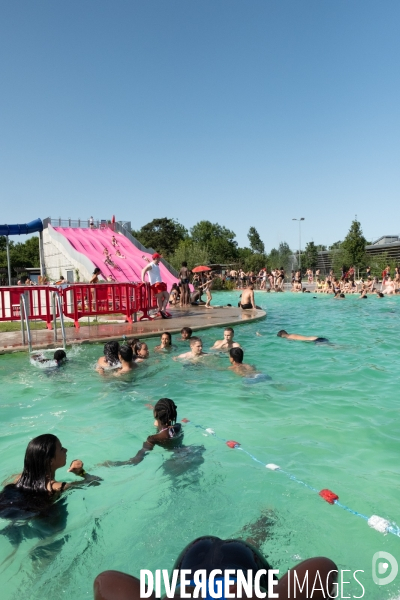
(378, 523)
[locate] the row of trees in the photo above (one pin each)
(22, 255)
(210, 243)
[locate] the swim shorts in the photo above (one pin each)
(159, 287)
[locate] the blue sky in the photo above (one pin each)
(246, 113)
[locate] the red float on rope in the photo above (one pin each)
(329, 496)
(232, 444)
(185, 421)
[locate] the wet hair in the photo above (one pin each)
(59, 355)
(187, 330)
(137, 346)
(169, 336)
(380, 295)
(281, 333)
(236, 354)
(165, 411)
(342, 296)
(111, 350)
(184, 264)
(229, 329)
(29, 495)
(194, 339)
(132, 343)
(126, 353)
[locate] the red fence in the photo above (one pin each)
(78, 300)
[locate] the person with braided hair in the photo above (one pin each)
(169, 433)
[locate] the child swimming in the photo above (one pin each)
(169, 433)
(59, 357)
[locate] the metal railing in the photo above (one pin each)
(25, 322)
(56, 304)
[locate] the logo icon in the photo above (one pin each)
(380, 565)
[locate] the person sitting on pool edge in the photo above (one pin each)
(196, 349)
(247, 299)
(209, 553)
(236, 359)
(125, 356)
(301, 338)
(169, 433)
(227, 343)
(35, 489)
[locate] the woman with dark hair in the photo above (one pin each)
(34, 490)
(110, 360)
(95, 276)
(165, 342)
(140, 350)
(184, 279)
(169, 433)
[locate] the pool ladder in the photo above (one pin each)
(57, 304)
(24, 311)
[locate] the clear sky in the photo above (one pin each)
(247, 112)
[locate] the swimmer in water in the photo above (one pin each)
(169, 433)
(209, 553)
(166, 342)
(227, 343)
(140, 350)
(300, 338)
(125, 356)
(110, 359)
(36, 488)
(196, 350)
(59, 356)
(186, 333)
(237, 364)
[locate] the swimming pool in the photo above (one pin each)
(329, 416)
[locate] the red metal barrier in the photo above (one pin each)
(78, 300)
(85, 300)
(38, 299)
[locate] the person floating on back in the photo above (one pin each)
(301, 338)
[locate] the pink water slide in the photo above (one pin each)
(124, 261)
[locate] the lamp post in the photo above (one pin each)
(299, 220)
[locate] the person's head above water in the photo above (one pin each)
(166, 338)
(111, 350)
(228, 334)
(165, 412)
(125, 353)
(186, 333)
(140, 349)
(44, 454)
(196, 345)
(236, 355)
(59, 356)
(282, 333)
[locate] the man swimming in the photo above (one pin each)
(59, 357)
(301, 338)
(196, 349)
(227, 343)
(237, 364)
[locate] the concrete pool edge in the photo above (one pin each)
(197, 318)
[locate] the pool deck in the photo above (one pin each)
(194, 317)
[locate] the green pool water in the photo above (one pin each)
(329, 416)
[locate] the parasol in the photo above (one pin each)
(200, 269)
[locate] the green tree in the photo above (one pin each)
(24, 254)
(256, 244)
(219, 241)
(310, 257)
(163, 235)
(251, 261)
(191, 252)
(354, 244)
(283, 257)
(336, 245)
